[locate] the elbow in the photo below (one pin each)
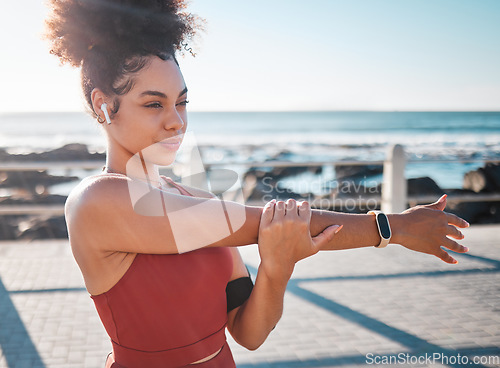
(253, 345)
(250, 342)
(253, 348)
(254, 342)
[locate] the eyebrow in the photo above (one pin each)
(161, 94)
(183, 92)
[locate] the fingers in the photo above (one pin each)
(304, 210)
(279, 211)
(444, 256)
(454, 246)
(291, 209)
(454, 232)
(451, 245)
(440, 204)
(267, 213)
(457, 221)
(326, 235)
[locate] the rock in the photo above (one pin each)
(68, 152)
(278, 173)
(262, 189)
(476, 181)
(420, 186)
(9, 226)
(474, 212)
(483, 180)
(31, 181)
(352, 189)
(343, 172)
(43, 228)
(37, 199)
(423, 186)
(493, 173)
(263, 184)
(4, 155)
(14, 227)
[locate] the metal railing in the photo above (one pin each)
(42, 209)
(394, 197)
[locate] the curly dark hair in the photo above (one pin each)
(113, 39)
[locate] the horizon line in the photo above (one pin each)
(260, 111)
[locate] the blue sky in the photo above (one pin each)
(295, 55)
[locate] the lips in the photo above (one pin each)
(172, 143)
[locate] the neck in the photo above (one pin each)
(132, 166)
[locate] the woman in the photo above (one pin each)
(160, 260)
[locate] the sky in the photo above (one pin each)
(262, 55)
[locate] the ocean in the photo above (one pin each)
(298, 137)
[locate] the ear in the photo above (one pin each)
(98, 98)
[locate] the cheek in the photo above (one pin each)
(135, 132)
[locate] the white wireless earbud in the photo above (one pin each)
(104, 108)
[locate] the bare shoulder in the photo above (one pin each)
(91, 201)
(86, 208)
(93, 192)
(112, 213)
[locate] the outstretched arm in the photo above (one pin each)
(424, 229)
(101, 214)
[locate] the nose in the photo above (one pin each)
(174, 121)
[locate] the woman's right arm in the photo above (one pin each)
(102, 214)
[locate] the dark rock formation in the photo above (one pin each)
(259, 187)
(344, 172)
(68, 152)
(31, 226)
(9, 226)
(31, 182)
(423, 186)
(263, 184)
(474, 212)
(38, 199)
(43, 228)
(483, 180)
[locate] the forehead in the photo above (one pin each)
(159, 75)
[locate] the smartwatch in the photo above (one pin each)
(384, 229)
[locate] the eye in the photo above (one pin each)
(154, 105)
(183, 103)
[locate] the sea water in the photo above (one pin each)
(299, 137)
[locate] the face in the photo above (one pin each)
(152, 117)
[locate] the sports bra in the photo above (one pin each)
(168, 310)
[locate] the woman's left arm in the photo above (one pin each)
(284, 239)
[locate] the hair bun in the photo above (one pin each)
(78, 28)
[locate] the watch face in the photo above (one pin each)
(385, 230)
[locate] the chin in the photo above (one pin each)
(159, 155)
(167, 161)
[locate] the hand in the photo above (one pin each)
(285, 238)
(427, 228)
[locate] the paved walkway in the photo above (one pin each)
(342, 309)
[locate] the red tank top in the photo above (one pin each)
(168, 310)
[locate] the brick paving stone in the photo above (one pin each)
(339, 307)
